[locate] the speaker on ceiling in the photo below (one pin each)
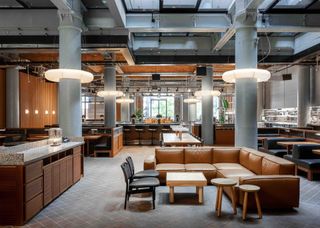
(286, 77)
(201, 71)
(155, 77)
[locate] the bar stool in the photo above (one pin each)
(247, 188)
(220, 183)
(152, 129)
(139, 129)
(166, 129)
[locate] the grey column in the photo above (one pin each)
(12, 98)
(131, 107)
(315, 86)
(125, 112)
(260, 100)
(177, 106)
(207, 109)
(192, 112)
(185, 110)
(303, 98)
(246, 89)
(110, 101)
(70, 58)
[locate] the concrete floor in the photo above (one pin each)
(97, 201)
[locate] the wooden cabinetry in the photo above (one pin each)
(25, 190)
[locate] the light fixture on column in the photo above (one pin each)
(36, 111)
(191, 100)
(26, 111)
(214, 93)
(56, 74)
(105, 93)
(125, 99)
(259, 74)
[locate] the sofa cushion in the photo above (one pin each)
(169, 155)
(255, 163)
(272, 165)
(226, 155)
(234, 173)
(244, 158)
(198, 155)
(170, 167)
(220, 166)
(208, 170)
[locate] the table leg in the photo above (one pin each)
(171, 194)
(88, 148)
(258, 204)
(245, 204)
(234, 201)
(217, 199)
(220, 201)
(200, 192)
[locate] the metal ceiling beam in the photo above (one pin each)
(63, 5)
(118, 12)
(225, 38)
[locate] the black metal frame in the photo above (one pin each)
(131, 190)
(272, 10)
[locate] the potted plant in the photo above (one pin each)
(139, 115)
(159, 116)
(133, 118)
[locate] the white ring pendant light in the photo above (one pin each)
(106, 93)
(201, 93)
(259, 74)
(55, 75)
(124, 100)
(191, 100)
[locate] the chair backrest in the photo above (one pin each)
(126, 172)
(131, 165)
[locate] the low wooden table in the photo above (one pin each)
(289, 145)
(220, 183)
(247, 188)
(179, 179)
(171, 139)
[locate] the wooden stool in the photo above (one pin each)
(220, 183)
(247, 188)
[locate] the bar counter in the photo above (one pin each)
(33, 174)
(144, 133)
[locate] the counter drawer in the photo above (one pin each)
(33, 171)
(33, 206)
(33, 188)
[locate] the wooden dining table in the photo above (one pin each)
(88, 139)
(289, 144)
(172, 139)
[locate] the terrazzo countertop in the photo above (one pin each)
(34, 151)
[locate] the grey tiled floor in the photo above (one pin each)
(97, 201)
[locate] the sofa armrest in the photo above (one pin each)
(276, 191)
(149, 162)
(304, 151)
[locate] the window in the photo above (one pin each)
(163, 105)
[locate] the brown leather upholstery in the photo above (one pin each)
(168, 167)
(221, 166)
(225, 155)
(274, 175)
(149, 163)
(165, 155)
(208, 170)
(198, 155)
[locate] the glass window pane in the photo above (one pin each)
(215, 4)
(293, 4)
(182, 4)
(142, 4)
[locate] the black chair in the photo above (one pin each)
(141, 174)
(147, 184)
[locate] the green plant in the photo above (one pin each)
(139, 114)
(225, 104)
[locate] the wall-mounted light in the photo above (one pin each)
(53, 112)
(26, 111)
(46, 112)
(36, 111)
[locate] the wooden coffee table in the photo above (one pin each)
(289, 144)
(179, 179)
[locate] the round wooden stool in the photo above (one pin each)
(220, 183)
(247, 188)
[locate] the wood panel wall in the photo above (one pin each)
(2, 98)
(36, 94)
(118, 112)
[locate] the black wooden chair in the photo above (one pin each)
(141, 174)
(147, 184)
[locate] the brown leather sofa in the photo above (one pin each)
(279, 187)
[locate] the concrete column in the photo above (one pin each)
(178, 106)
(207, 133)
(110, 101)
(260, 100)
(246, 88)
(192, 111)
(303, 98)
(185, 110)
(125, 112)
(12, 98)
(315, 86)
(70, 58)
(131, 107)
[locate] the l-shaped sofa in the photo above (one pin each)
(280, 188)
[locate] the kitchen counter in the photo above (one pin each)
(24, 154)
